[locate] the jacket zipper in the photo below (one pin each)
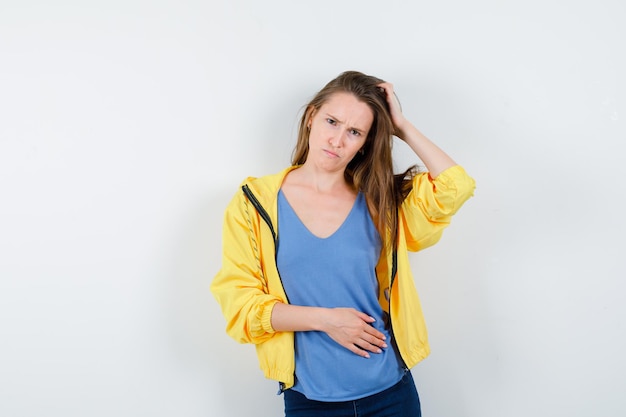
(266, 217)
(259, 208)
(394, 271)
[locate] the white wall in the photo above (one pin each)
(126, 126)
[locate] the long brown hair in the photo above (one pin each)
(370, 171)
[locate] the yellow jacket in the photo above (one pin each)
(248, 284)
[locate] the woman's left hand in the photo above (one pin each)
(395, 109)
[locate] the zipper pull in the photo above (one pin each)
(281, 388)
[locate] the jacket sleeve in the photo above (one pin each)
(430, 205)
(240, 286)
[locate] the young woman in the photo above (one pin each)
(315, 268)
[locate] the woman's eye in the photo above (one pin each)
(331, 121)
(355, 132)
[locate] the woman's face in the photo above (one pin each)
(338, 130)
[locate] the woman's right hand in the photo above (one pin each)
(348, 327)
(353, 330)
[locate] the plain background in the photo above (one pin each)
(126, 126)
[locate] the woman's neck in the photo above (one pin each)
(319, 180)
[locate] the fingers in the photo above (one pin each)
(395, 109)
(372, 343)
(374, 336)
(366, 345)
(371, 335)
(365, 317)
(353, 330)
(392, 97)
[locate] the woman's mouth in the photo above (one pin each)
(331, 154)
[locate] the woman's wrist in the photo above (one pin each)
(288, 317)
(320, 318)
(404, 129)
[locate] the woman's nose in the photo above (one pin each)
(337, 138)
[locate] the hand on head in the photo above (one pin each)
(395, 109)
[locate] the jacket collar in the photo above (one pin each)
(265, 189)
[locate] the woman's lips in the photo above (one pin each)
(331, 154)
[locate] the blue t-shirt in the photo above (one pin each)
(337, 271)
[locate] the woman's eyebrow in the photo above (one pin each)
(358, 129)
(334, 118)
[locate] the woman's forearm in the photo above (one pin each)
(435, 159)
(292, 318)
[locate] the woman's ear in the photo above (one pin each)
(309, 118)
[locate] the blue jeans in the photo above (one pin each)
(401, 400)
